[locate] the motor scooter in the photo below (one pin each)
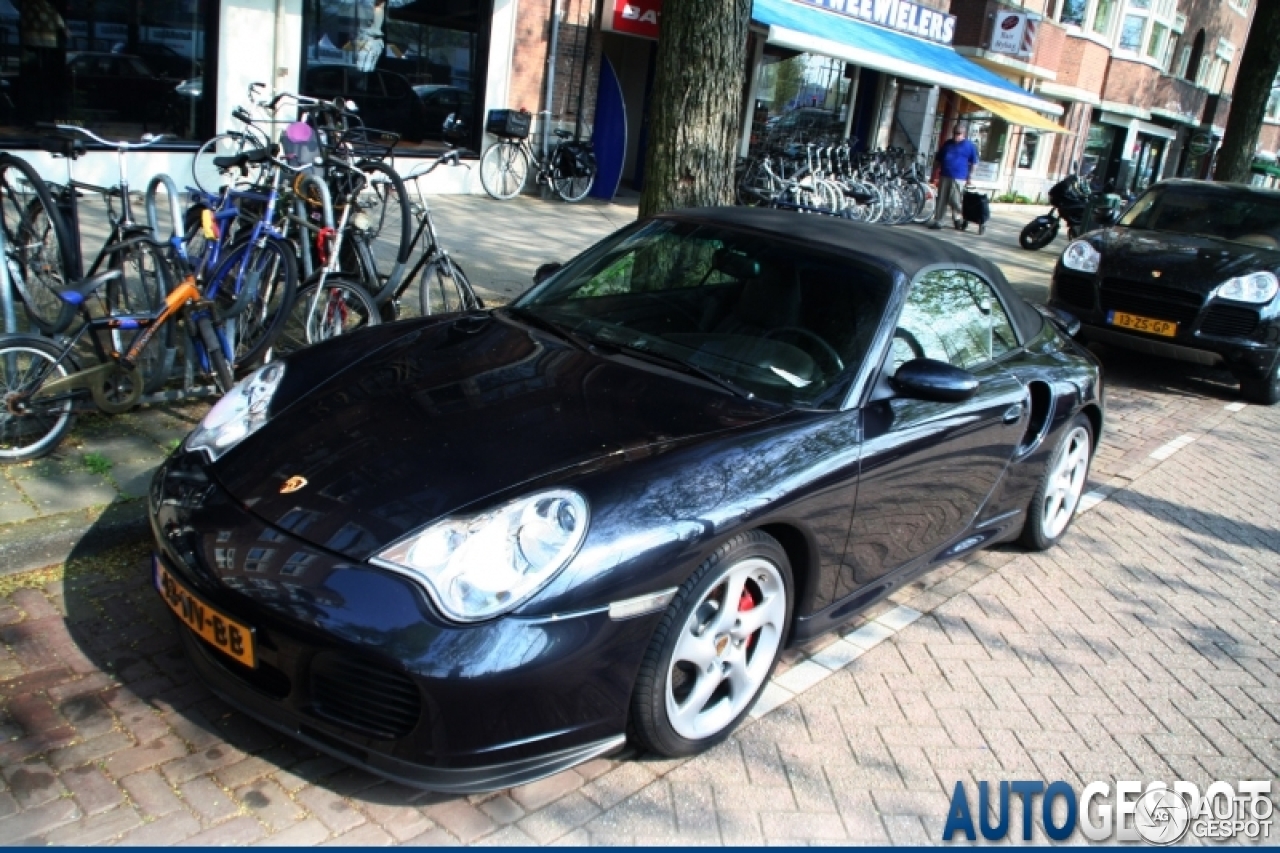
(1071, 198)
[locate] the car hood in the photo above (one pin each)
(447, 415)
(1184, 261)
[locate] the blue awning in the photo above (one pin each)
(814, 30)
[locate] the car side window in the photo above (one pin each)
(955, 317)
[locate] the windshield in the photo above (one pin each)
(762, 317)
(1241, 216)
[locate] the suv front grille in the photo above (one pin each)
(1074, 290)
(1147, 300)
(364, 695)
(1229, 321)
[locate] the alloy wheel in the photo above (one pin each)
(1066, 483)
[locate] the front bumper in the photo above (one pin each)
(1244, 340)
(353, 660)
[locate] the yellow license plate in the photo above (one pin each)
(1164, 328)
(219, 630)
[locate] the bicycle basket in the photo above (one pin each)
(509, 124)
(364, 143)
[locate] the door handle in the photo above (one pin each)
(1013, 414)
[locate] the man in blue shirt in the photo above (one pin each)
(955, 163)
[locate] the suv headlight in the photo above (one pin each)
(1081, 256)
(1256, 287)
(480, 566)
(239, 414)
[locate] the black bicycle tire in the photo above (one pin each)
(62, 425)
(129, 295)
(467, 299)
(218, 365)
(494, 151)
(283, 296)
(58, 322)
(406, 216)
(291, 340)
(559, 181)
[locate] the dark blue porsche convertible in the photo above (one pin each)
(471, 550)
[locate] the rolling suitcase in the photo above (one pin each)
(976, 208)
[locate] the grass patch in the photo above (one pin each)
(98, 464)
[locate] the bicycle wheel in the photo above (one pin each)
(38, 251)
(385, 218)
(209, 178)
(930, 204)
(141, 289)
(574, 183)
(29, 429)
(317, 315)
(217, 356)
(444, 288)
(254, 287)
(504, 169)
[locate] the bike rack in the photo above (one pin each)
(153, 216)
(300, 211)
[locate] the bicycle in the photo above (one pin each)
(42, 386)
(569, 168)
(38, 256)
(127, 248)
(443, 287)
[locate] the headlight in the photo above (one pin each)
(239, 414)
(1081, 256)
(484, 565)
(1256, 287)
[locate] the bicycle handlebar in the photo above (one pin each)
(117, 145)
(449, 157)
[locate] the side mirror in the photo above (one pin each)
(929, 379)
(1067, 322)
(545, 271)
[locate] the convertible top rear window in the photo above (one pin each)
(1241, 216)
(774, 319)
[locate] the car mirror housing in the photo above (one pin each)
(1065, 321)
(929, 379)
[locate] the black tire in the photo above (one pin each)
(356, 260)
(141, 288)
(385, 202)
(445, 288)
(35, 431)
(343, 307)
(38, 246)
(571, 182)
(1037, 235)
(504, 168)
(1264, 391)
(1038, 532)
(254, 318)
(687, 619)
(218, 363)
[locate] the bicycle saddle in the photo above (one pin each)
(78, 292)
(563, 134)
(62, 146)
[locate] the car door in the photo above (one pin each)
(928, 467)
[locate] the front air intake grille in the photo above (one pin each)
(364, 695)
(1074, 290)
(1146, 300)
(1230, 321)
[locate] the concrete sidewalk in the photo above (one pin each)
(88, 494)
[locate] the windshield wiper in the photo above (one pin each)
(552, 326)
(681, 366)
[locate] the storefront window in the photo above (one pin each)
(407, 64)
(1097, 150)
(799, 99)
(1027, 154)
(119, 68)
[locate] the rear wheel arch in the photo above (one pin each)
(804, 573)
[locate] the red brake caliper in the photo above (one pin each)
(747, 602)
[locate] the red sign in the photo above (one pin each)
(635, 17)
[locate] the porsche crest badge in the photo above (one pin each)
(1156, 273)
(293, 484)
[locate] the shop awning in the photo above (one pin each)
(1014, 114)
(813, 30)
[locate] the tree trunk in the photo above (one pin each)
(697, 104)
(1257, 74)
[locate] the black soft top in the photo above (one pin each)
(906, 250)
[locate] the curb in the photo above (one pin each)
(52, 540)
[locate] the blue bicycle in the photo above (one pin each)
(244, 263)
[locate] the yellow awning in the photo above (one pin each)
(1014, 114)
